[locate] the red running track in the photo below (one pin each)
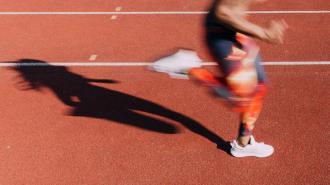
(142, 127)
(148, 5)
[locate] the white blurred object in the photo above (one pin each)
(178, 64)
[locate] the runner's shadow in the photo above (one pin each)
(89, 100)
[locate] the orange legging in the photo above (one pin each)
(251, 112)
(244, 78)
(243, 82)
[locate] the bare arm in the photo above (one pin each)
(231, 13)
(240, 24)
(227, 12)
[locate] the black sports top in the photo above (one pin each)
(216, 28)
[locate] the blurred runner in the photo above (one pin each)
(243, 84)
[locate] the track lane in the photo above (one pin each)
(46, 145)
(148, 5)
(75, 38)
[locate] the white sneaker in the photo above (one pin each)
(178, 63)
(253, 149)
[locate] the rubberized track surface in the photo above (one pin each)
(132, 126)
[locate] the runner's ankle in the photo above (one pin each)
(243, 140)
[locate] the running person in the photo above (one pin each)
(229, 38)
(228, 35)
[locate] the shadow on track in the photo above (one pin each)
(89, 100)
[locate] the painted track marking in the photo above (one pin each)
(93, 57)
(138, 64)
(163, 12)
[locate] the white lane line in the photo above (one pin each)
(291, 12)
(138, 64)
(163, 12)
(297, 63)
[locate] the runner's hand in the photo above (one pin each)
(275, 32)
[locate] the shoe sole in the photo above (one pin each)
(182, 74)
(239, 155)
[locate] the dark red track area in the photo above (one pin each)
(144, 37)
(148, 5)
(44, 145)
(139, 127)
